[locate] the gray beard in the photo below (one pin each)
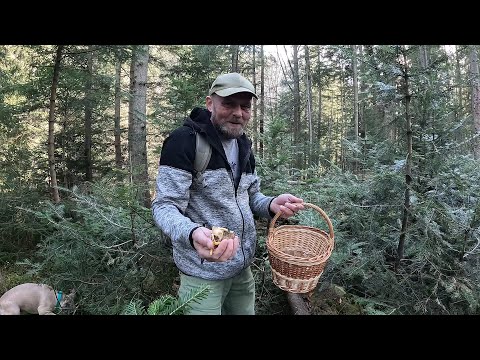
(227, 134)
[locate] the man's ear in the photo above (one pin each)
(209, 103)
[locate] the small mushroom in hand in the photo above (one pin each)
(219, 234)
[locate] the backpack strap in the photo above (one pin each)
(203, 153)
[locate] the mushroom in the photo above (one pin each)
(219, 234)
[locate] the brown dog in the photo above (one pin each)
(34, 299)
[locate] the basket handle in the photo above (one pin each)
(315, 207)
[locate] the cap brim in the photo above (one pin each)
(231, 91)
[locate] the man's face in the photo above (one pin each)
(230, 115)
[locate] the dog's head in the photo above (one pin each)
(67, 301)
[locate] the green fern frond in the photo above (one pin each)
(167, 304)
(158, 306)
(134, 307)
(182, 305)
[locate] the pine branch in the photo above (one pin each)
(183, 304)
(134, 307)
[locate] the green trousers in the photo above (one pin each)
(234, 296)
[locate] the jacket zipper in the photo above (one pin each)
(241, 213)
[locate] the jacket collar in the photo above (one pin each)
(199, 120)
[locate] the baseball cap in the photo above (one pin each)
(232, 83)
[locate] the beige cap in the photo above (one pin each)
(232, 83)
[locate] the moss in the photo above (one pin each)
(333, 300)
(12, 275)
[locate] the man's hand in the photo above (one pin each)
(287, 204)
(203, 243)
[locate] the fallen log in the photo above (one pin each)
(297, 304)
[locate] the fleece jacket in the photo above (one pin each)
(183, 203)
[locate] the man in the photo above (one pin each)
(227, 195)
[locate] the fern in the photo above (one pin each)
(182, 305)
(157, 307)
(167, 304)
(134, 307)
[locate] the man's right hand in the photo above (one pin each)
(203, 243)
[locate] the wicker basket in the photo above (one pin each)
(298, 254)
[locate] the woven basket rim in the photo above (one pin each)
(320, 234)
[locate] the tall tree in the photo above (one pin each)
(296, 108)
(355, 91)
(51, 125)
(308, 78)
(361, 94)
(262, 100)
(320, 105)
(408, 166)
(355, 102)
(361, 105)
(458, 95)
(475, 76)
(458, 81)
(88, 116)
(235, 49)
(117, 130)
(255, 119)
(138, 128)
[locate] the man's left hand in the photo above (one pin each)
(287, 204)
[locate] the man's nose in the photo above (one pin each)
(237, 110)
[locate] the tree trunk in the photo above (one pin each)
(408, 165)
(87, 152)
(117, 130)
(255, 119)
(51, 125)
(355, 103)
(339, 131)
(64, 156)
(296, 110)
(474, 72)
(309, 105)
(138, 134)
(235, 50)
(459, 135)
(330, 136)
(319, 120)
(131, 103)
(262, 99)
(361, 95)
(361, 108)
(458, 78)
(424, 104)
